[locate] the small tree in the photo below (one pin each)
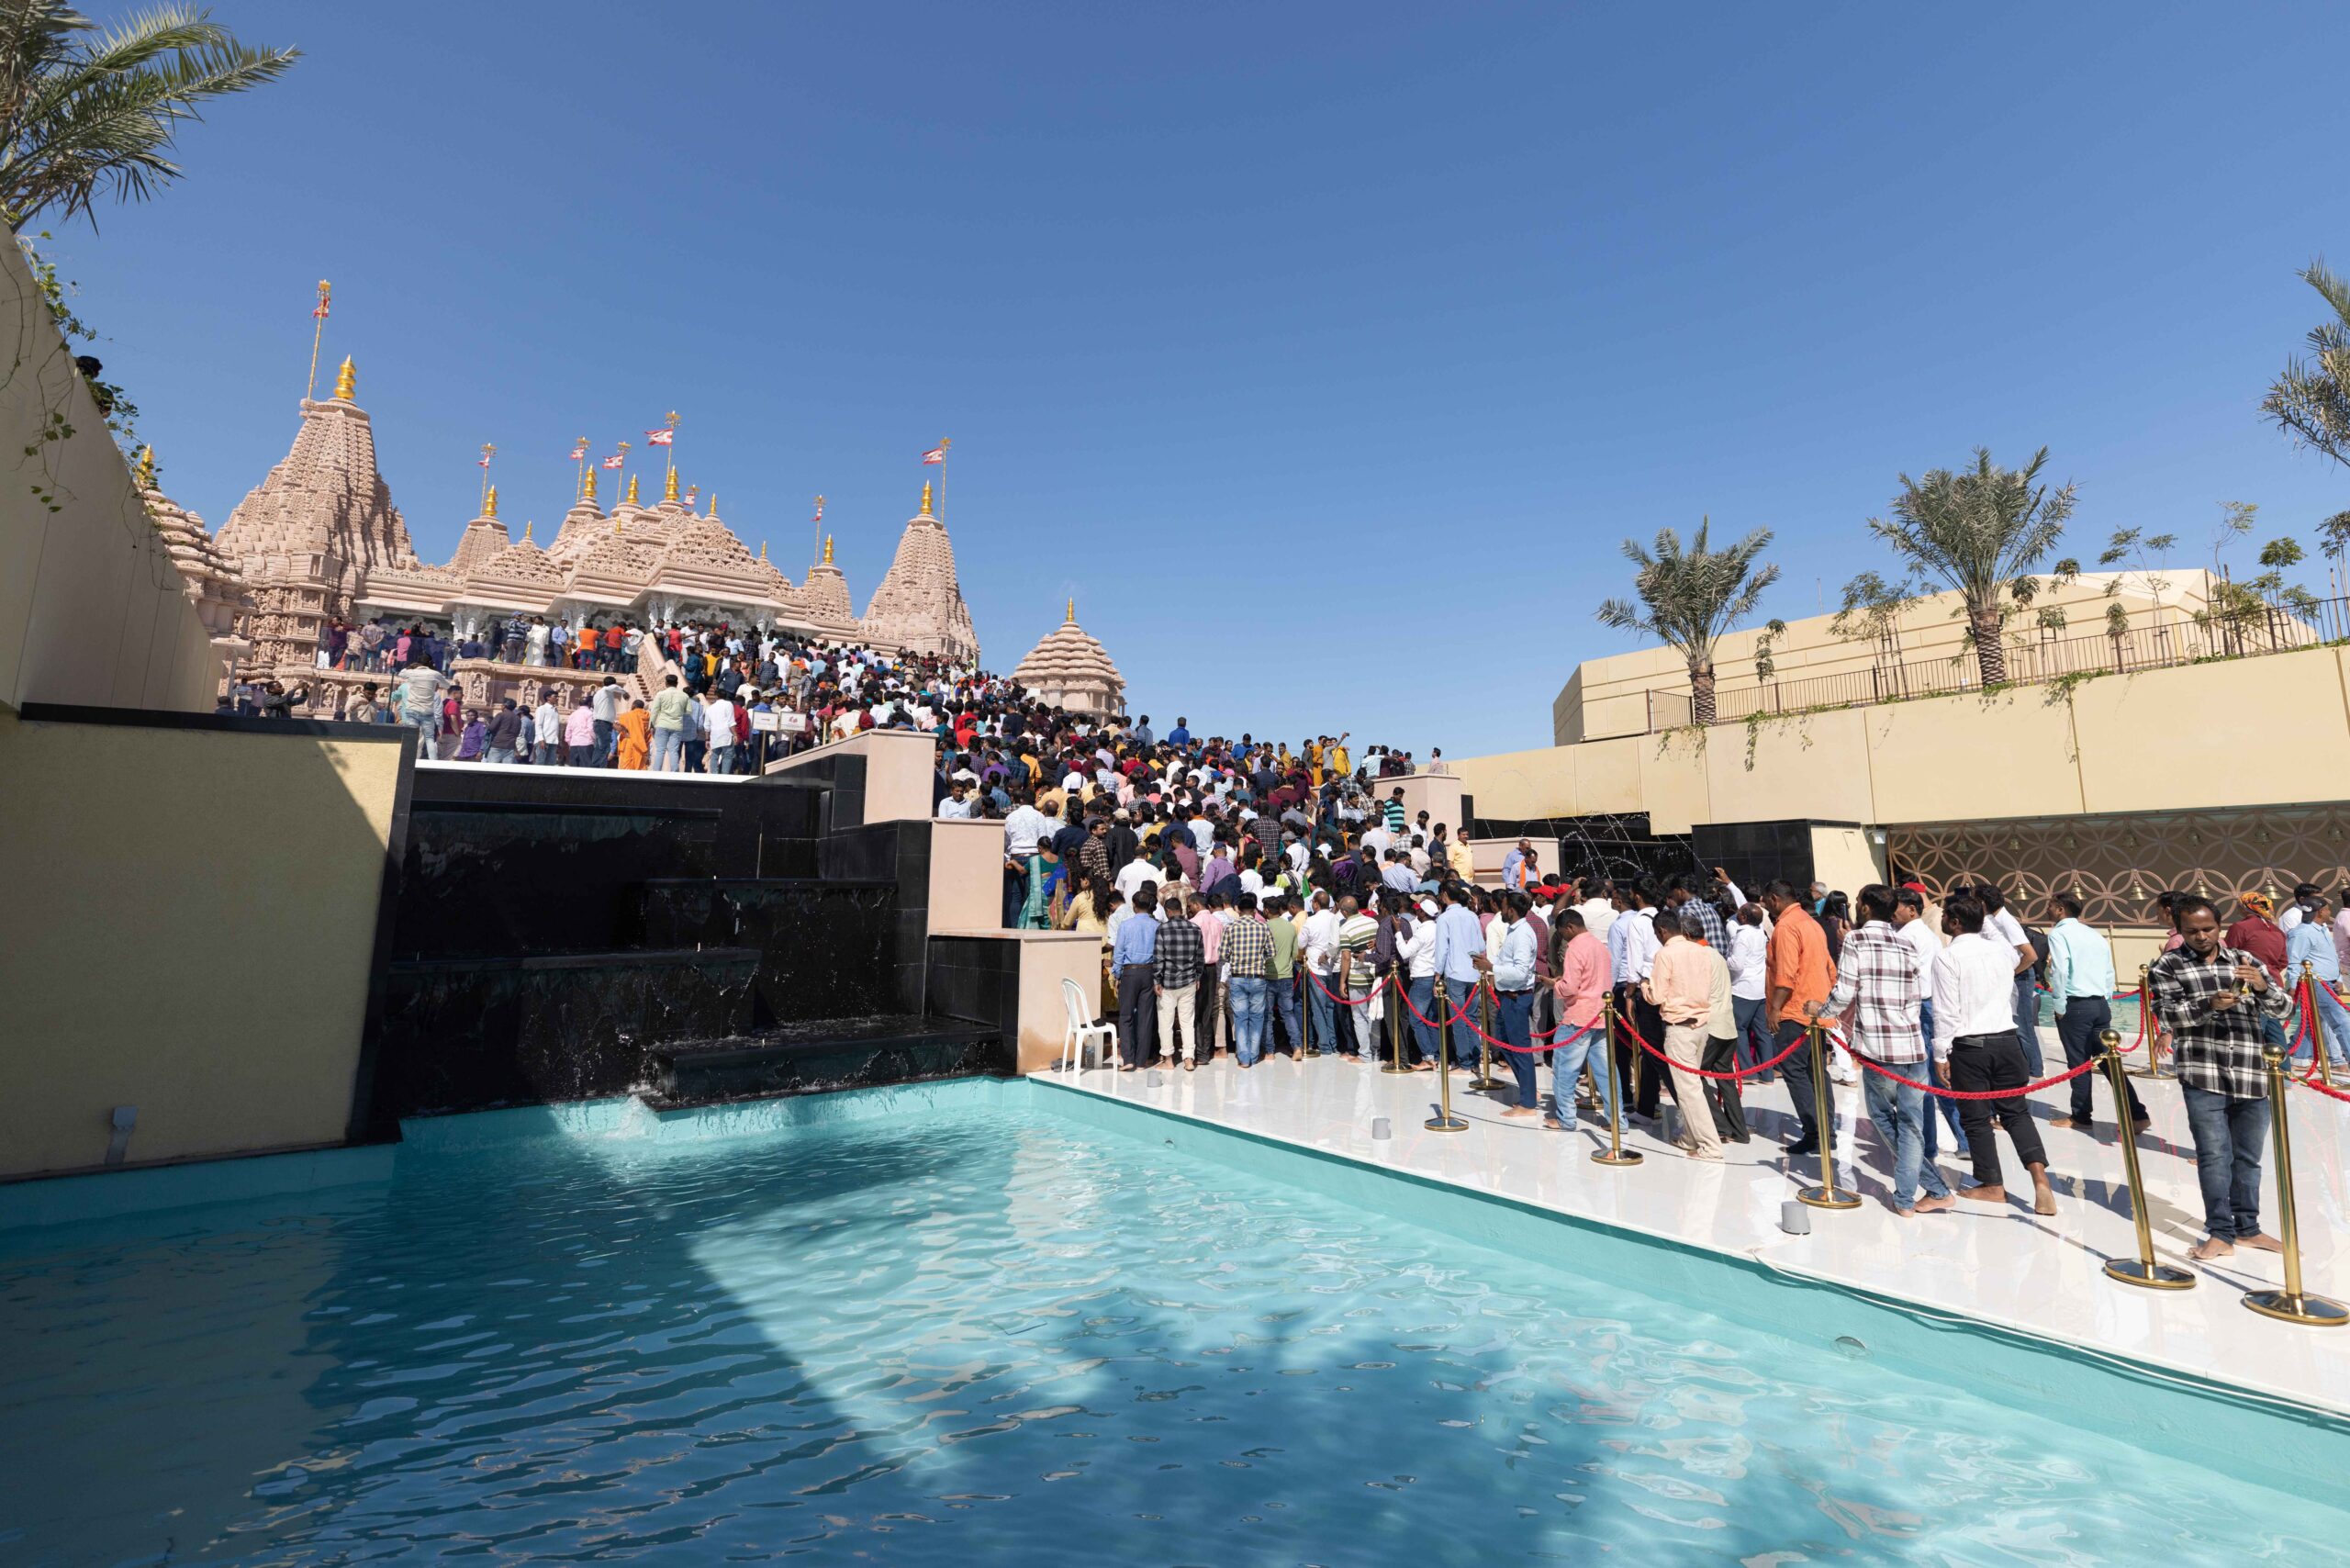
(1688, 598)
(2236, 610)
(1979, 530)
(2311, 401)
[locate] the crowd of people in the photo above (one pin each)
(1228, 929)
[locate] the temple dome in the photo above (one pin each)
(1072, 670)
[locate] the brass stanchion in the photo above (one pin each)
(2291, 1303)
(1615, 1153)
(1444, 1121)
(2309, 983)
(2151, 1028)
(2141, 1270)
(1395, 1024)
(1484, 1081)
(1825, 1195)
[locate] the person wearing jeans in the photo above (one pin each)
(2317, 952)
(1513, 977)
(2214, 1000)
(1584, 970)
(1248, 955)
(1879, 987)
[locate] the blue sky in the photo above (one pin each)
(1325, 354)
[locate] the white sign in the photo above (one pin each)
(779, 720)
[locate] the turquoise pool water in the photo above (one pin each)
(976, 1334)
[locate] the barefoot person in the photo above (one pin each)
(2212, 998)
(1976, 1049)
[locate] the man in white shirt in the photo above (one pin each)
(1911, 925)
(546, 738)
(1748, 958)
(1320, 940)
(957, 804)
(1598, 912)
(1975, 1050)
(2001, 925)
(1134, 873)
(718, 722)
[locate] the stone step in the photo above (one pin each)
(822, 1054)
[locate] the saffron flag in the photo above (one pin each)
(580, 452)
(935, 454)
(614, 462)
(660, 438)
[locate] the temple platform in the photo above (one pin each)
(2001, 1266)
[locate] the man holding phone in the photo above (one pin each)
(2212, 998)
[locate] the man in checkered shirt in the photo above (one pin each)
(2211, 998)
(1876, 995)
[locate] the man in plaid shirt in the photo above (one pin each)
(1875, 996)
(1176, 961)
(1248, 965)
(1698, 918)
(2211, 998)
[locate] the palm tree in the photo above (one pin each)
(2311, 402)
(81, 112)
(1979, 530)
(1688, 599)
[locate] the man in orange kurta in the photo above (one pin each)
(1798, 977)
(635, 728)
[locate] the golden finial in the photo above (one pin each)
(828, 549)
(346, 381)
(489, 502)
(669, 489)
(713, 505)
(588, 483)
(526, 528)
(1072, 611)
(925, 499)
(762, 549)
(143, 475)
(631, 489)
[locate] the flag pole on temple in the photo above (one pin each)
(489, 450)
(937, 455)
(818, 520)
(666, 438)
(317, 333)
(620, 484)
(579, 455)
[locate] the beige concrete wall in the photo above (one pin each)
(898, 769)
(1046, 958)
(189, 928)
(966, 875)
(1846, 858)
(1439, 794)
(92, 611)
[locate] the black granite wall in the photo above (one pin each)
(827, 949)
(897, 852)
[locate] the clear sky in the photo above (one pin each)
(1325, 354)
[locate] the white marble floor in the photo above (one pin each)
(2043, 1276)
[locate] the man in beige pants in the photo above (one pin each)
(1177, 962)
(1681, 987)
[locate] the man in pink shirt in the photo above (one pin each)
(1582, 989)
(1208, 1014)
(1680, 986)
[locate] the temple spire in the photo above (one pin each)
(346, 381)
(1072, 611)
(828, 549)
(669, 488)
(631, 489)
(143, 475)
(489, 502)
(925, 499)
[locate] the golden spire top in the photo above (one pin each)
(1072, 611)
(346, 381)
(713, 505)
(762, 549)
(526, 532)
(588, 483)
(828, 549)
(926, 499)
(669, 489)
(489, 502)
(631, 489)
(143, 475)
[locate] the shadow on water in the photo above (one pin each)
(944, 1338)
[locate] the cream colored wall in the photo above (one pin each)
(966, 877)
(2268, 731)
(1048, 958)
(1607, 697)
(898, 769)
(1439, 794)
(92, 611)
(1846, 858)
(189, 928)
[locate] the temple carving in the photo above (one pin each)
(918, 605)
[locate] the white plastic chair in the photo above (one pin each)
(1081, 1029)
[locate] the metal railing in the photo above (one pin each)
(2034, 659)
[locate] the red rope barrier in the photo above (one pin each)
(1935, 1088)
(1625, 1025)
(2312, 1082)
(1403, 992)
(1550, 1036)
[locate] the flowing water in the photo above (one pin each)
(977, 1336)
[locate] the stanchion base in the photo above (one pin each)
(1827, 1198)
(2315, 1310)
(1628, 1157)
(1484, 1083)
(1446, 1125)
(1391, 1068)
(2153, 1276)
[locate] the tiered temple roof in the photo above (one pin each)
(211, 584)
(919, 604)
(1072, 670)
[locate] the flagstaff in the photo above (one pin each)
(818, 519)
(317, 333)
(489, 450)
(936, 456)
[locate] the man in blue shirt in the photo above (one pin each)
(1459, 947)
(1181, 735)
(2080, 978)
(1132, 957)
(2311, 942)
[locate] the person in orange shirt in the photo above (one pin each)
(1796, 977)
(635, 728)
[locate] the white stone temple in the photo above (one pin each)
(1072, 670)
